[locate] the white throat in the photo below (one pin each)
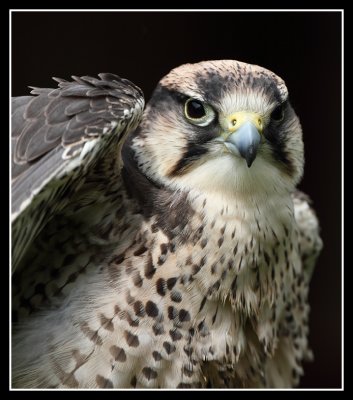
(230, 185)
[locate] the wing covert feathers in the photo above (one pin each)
(57, 135)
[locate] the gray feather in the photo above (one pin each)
(49, 131)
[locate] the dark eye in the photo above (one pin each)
(199, 113)
(277, 114)
(195, 109)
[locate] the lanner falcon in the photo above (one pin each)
(164, 248)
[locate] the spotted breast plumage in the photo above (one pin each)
(164, 248)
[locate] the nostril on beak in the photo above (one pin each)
(234, 122)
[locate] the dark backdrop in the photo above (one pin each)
(304, 48)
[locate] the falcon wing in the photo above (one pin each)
(309, 237)
(57, 135)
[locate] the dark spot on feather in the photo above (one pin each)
(234, 286)
(188, 372)
(129, 268)
(131, 339)
(276, 258)
(202, 328)
(188, 260)
(161, 259)
(195, 269)
(40, 289)
(172, 312)
(149, 373)
(149, 267)
(213, 268)
(139, 308)
(184, 315)
(258, 225)
(71, 278)
(129, 299)
(188, 350)
(161, 286)
(214, 316)
(158, 329)
(164, 248)
(272, 273)
(169, 347)
(151, 309)
(133, 381)
(140, 250)
(172, 247)
(131, 321)
(185, 279)
(171, 283)
(235, 249)
(203, 302)
(106, 323)
(203, 243)
(267, 258)
(91, 334)
(183, 385)
(289, 318)
(118, 353)
(138, 281)
(241, 260)
(176, 296)
(103, 382)
(119, 259)
(157, 356)
(175, 335)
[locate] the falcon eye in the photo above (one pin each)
(195, 109)
(198, 113)
(277, 114)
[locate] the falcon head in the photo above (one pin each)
(220, 126)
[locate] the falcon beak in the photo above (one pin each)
(244, 130)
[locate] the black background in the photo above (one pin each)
(304, 48)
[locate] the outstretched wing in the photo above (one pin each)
(57, 135)
(309, 232)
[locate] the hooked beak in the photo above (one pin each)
(244, 137)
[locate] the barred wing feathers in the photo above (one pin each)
(57, 135)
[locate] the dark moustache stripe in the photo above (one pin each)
(192, 153)
(172, 213)
(276, 134)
